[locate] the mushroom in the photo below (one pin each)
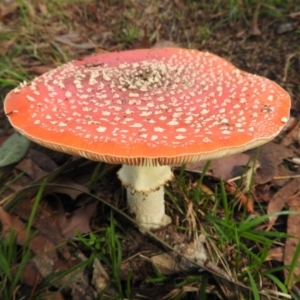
(149, 109)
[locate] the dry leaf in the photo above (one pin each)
(206, 189)
(35, 165)
(290, 124)
(78, 221)
(285, 27)
(42, 8)
(166, 263)
(240, 33)
(275, 254)
(293, 135)
(225, 168)
(37, 243)
(282, 176)
(191, 255)
(76, 281)
(280, 199)
(31, 275)
(8, 9)
(270, 156)
(46, 259)
(45, 221)
(42, 160)
(294, 15)
(73, 190)
(80, 284)
(291, 243)
(244, 201)
(31, 169)
(100, 278)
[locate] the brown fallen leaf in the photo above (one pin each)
(80, 283)
(292, 242)
(262, 193)
(42, 160)
(293, 136)
(276, 253)
(290, 124)
(100, 278)
(205, 189)
(45, 220)
(191, 255)
(280, 199)
(294, 15)
(31, 275)
(73, 189)
(270, 156)
(8, 9)
(30, 168)
(35, 165)
(77, 221)
(75, 282)
(282, 176)
(225, 167)
(240, 33)
(285, 27)
(46, 259)
(37, 243)
(244, 201)
(166, 263)
(42, 8)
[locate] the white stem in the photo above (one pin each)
(145, 193)
(149, 208)
(145, 178)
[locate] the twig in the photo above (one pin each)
(287, 64)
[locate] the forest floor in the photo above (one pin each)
(66, 232)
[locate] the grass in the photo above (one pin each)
(236, 241)
(236, 244)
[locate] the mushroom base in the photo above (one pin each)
(148, 207)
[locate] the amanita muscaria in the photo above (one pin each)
(149, 109)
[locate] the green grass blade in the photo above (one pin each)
(253, 286)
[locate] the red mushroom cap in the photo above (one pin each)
(157, 106)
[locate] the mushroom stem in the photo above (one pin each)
(149, 208)
(145, 193)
